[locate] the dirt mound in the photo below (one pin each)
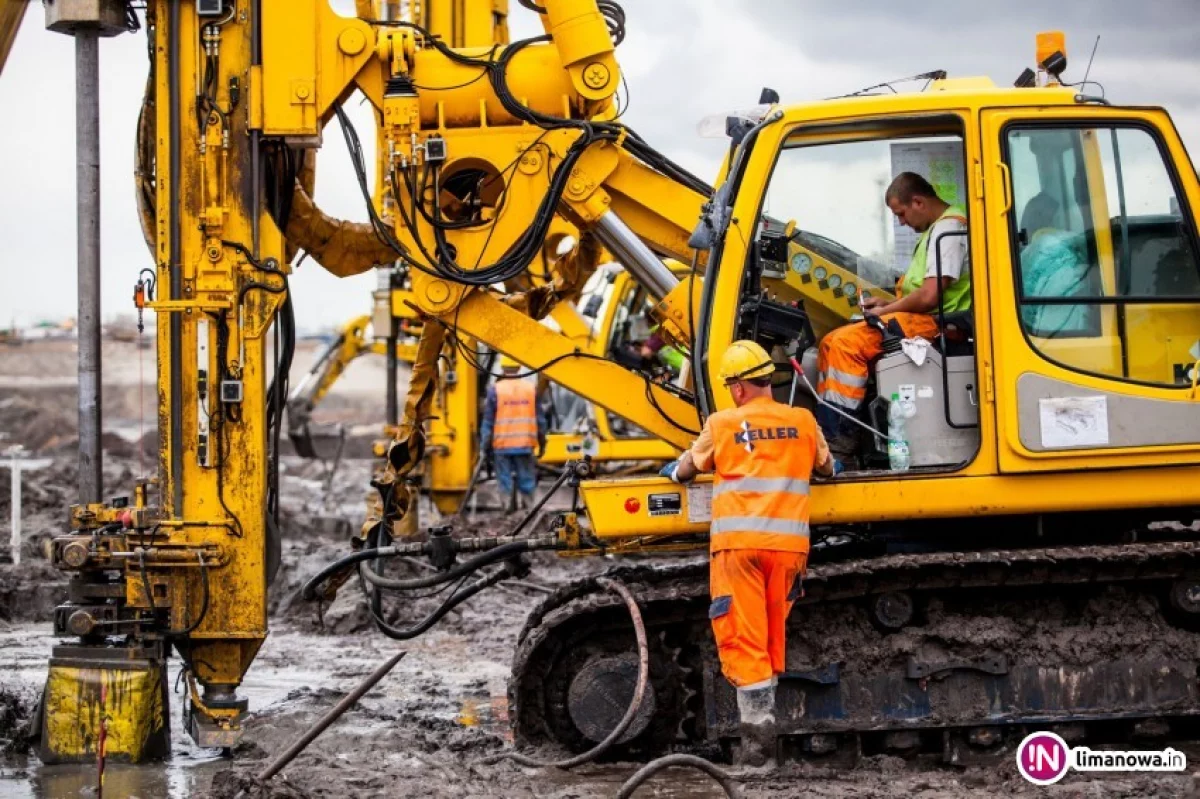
(232, 784)
(31, 591)
(16, 713)
(112, 444)
(38, 426)
(53, 489)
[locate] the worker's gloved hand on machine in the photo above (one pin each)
(672, 470)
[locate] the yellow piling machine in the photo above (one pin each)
(1023, 572)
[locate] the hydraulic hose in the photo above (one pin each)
(691, 761)
(501, 552)
(639, 629)
(309, 591)
(451, 602)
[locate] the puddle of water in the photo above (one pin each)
(26, 649)
(289, 661)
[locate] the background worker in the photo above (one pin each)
(511, 429)
(763, 453)
(845, 353)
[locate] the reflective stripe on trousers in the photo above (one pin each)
(847, 379)
(845, 354)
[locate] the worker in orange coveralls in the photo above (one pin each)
(845, 353)
(763, 453)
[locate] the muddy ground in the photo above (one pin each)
(425, 728)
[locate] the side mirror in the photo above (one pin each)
(768, 96)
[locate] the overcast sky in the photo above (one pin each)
(683, 59)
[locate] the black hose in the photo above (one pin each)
(309, 591)
(451, 602)
(485, 558)
(635, 704)
(691, 761)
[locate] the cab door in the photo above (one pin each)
(1095, 287)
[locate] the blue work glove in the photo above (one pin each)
(670, 470)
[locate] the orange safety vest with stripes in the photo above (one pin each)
(516, 415)
(763, 454)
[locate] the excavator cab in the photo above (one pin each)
(804, 279)
(1081, 341)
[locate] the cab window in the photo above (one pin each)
(826, 198)
(1105, 253)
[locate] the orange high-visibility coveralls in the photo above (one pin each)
(845, 354)
(763, 455)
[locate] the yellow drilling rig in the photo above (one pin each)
(1057, 422)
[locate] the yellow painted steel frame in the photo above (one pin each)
(606, 445)
(596, 379)
(451, 429)
(212, 277)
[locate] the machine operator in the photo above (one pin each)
(511, 429)
(845, 353)
(763, 453)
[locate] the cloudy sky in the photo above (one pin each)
(684, 59)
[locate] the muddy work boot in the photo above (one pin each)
(756, 709)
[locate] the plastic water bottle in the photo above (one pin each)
(898, 457)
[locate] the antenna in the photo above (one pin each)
(1088, 71)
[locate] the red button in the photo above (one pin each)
(632, 505)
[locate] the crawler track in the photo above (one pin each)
(953, 652)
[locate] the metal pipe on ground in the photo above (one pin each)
(87, 184)
(276, 765)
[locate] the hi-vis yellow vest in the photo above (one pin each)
(955, 298)
(763, 455)
(516, 415)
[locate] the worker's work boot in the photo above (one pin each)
(756, 709)
(525, 501)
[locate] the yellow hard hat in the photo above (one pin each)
(507, 362)
(745, 360)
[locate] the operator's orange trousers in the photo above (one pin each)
(845, 354)
(752, 594)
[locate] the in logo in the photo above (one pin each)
(1042, 758)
